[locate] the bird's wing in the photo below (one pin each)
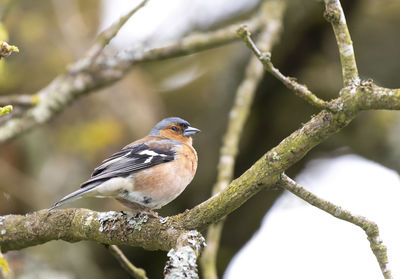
(132, 159)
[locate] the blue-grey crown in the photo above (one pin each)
(166, 122)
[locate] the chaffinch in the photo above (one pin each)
(148, 173)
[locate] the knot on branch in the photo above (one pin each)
(366, 85)
(265, 58)
(332, 15)
(243, 32)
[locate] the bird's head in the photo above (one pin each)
(174, 128)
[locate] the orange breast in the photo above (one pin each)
(164, 182)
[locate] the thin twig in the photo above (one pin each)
(134, 272)
(208, 259)
(370, 228)
(335, 15)
(237, 118)
(190, 44)
(265, 58)
(107, 35)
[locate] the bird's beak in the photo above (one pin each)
(189, 131)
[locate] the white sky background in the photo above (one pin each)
(162, 21)
(297, 240)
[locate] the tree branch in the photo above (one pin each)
(150, 233)
(370, 228)
(265, 58)
(181, 262)
(133, 271)
(266, 171)
(65, 88)
(72, 225)
(335, 15)
(237, 118)
(376, 97)
(107, 35)
(88, 75)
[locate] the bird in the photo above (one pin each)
(147, 173)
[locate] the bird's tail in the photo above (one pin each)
(73, 196)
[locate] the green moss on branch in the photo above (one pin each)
(72, 225)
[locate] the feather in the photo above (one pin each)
(126, 162)
(132, 159)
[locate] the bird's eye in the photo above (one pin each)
(173, 128)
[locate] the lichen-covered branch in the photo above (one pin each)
(6, 49)
(133, 271)
(182, 259)
(370, 228)
(265, 58)
(237, 118)
(72, 225)
(335, 15)
(88, 75)
(373, 96)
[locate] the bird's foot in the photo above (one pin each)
(151, 213)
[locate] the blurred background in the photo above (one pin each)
(49, 162)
